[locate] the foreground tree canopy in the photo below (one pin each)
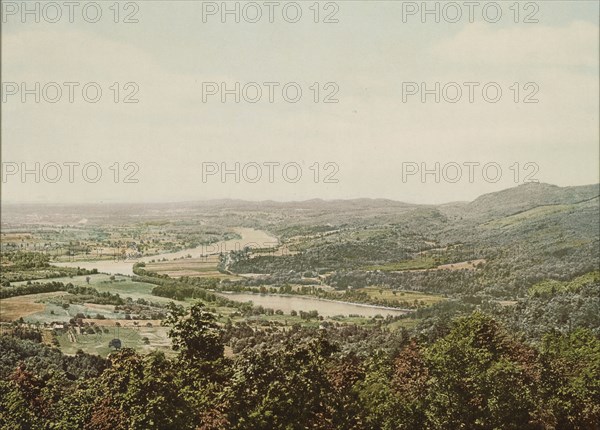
(475, 376)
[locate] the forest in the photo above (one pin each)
(477, 375)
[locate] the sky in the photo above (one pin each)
(378, 135)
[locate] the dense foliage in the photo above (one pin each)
(476, 376)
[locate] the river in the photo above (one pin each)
(249, 238)
(253, 239)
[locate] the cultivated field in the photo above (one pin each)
(143, 339)
(205, 267)
(14, 308)
(122, 285)
(394, 296)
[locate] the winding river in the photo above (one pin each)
(253, 239)
(249, 238)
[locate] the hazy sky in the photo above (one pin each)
(367, 58)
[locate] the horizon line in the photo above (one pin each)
(228, 199)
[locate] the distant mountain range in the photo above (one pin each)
(503, 203)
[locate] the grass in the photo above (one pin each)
(388, 295)
(130, 338)
(25, 307)
(122, 285)
(192, 267)
(47, 307)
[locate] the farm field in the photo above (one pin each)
(396, 296)
(25, 307)
(122, 285)
(327, 308)
(47, 307)
(191, 267)
(142, 339)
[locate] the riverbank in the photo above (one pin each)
(325, 307)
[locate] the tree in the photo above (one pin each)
(570, 382)
(480, 378)
(139, 393)
(115, 343)
(282, 386)
(197, 336)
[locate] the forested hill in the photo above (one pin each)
(528, 196)
(525, 234)
(544, 220)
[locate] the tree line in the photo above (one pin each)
(477, 376)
